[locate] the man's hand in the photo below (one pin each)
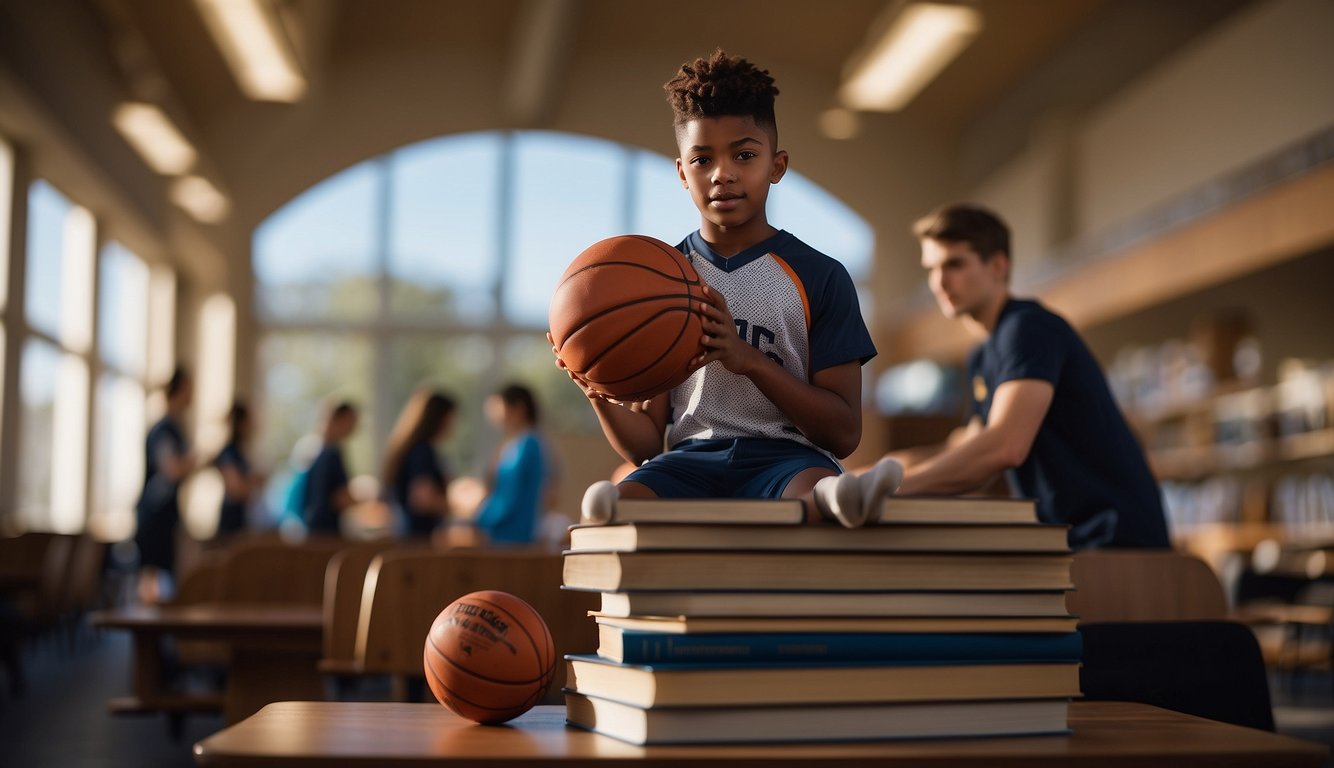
(721, 341)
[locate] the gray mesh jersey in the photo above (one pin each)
(793, 303)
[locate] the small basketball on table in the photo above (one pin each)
(489, 657)
(625, 317)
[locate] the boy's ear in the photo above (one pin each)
(681, 173)
(776, 172)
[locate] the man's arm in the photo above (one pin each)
(1017, 411)
(920, 454)
(828, 410)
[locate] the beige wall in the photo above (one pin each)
(1262, 81)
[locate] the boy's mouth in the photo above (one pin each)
(726, 202)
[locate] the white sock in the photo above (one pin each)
(599, 504)
(839, 497)
(878, 482)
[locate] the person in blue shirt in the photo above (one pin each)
(413, 476)
(519, 482)
(167, 461)
(1042, 410)
(240, 481)
(326, 494)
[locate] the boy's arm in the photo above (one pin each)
(1017, 411)
(828, 410)
(635, 430)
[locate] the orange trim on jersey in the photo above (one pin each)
(801, 289)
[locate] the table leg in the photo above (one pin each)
(262, 676)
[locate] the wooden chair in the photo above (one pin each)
(290, 574)
(343, 582)
(405, 591)
(1144, 585)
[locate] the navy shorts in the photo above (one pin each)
(743, 467)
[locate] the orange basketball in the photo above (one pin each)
(489, 657)
(625, 317)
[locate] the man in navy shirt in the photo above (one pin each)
(1042, 410)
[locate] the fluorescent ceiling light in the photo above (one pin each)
(155, 137)
(200, 199)
(912, 51)
(840, 124)
(255, 47)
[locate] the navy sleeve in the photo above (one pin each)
(422, 462)
(838, 332)
(1030, 346)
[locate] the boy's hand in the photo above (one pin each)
(721, 341)
(589, 392)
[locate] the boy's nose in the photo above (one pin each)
(722, 172)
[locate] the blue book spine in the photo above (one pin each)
(641, 647)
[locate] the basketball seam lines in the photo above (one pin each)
(636, 265)
(617, 342)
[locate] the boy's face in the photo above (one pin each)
(961, 281)
(728, 163)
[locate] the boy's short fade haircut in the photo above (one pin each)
(722, 86)
(972, 224)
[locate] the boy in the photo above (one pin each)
(775, 397)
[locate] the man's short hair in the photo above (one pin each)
(975, 225)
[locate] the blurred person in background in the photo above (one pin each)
(521, 471)
(324, 493)
(413, 478)
(241, 483)
(167, 461)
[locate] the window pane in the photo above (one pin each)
(458, 366)
(118, 455)
(662, 206)
(563, 406)
(122, 312)
(822, 222)
(443, 249)
(569, 193)
(53, 395)
(301, 372)
(6, 190)
(317, 256)
(47, 211)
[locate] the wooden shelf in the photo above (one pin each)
(1189, 463)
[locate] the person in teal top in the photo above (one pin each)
(511, 512)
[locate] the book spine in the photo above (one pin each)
(653, 647)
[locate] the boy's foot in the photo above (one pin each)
(840, 498)
(878, 482)
(854, 500)
(599, 505)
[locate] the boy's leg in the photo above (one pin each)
(802, 486)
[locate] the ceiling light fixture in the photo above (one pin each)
(256, 48)
(155, 137)
(913, 49)
(200, 199)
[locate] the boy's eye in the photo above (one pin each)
(746, 155)
(699, 161)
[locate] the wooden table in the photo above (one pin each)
(274, 650)
(360, 735)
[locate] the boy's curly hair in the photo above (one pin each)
(722, 85)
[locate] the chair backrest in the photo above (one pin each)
(1144, 585)
(291, 574)
(1210, 669)
(83, 575)
(405, 591)
(343, 581)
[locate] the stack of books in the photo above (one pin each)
(731, 621)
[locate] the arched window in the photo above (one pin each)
(434, 263)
